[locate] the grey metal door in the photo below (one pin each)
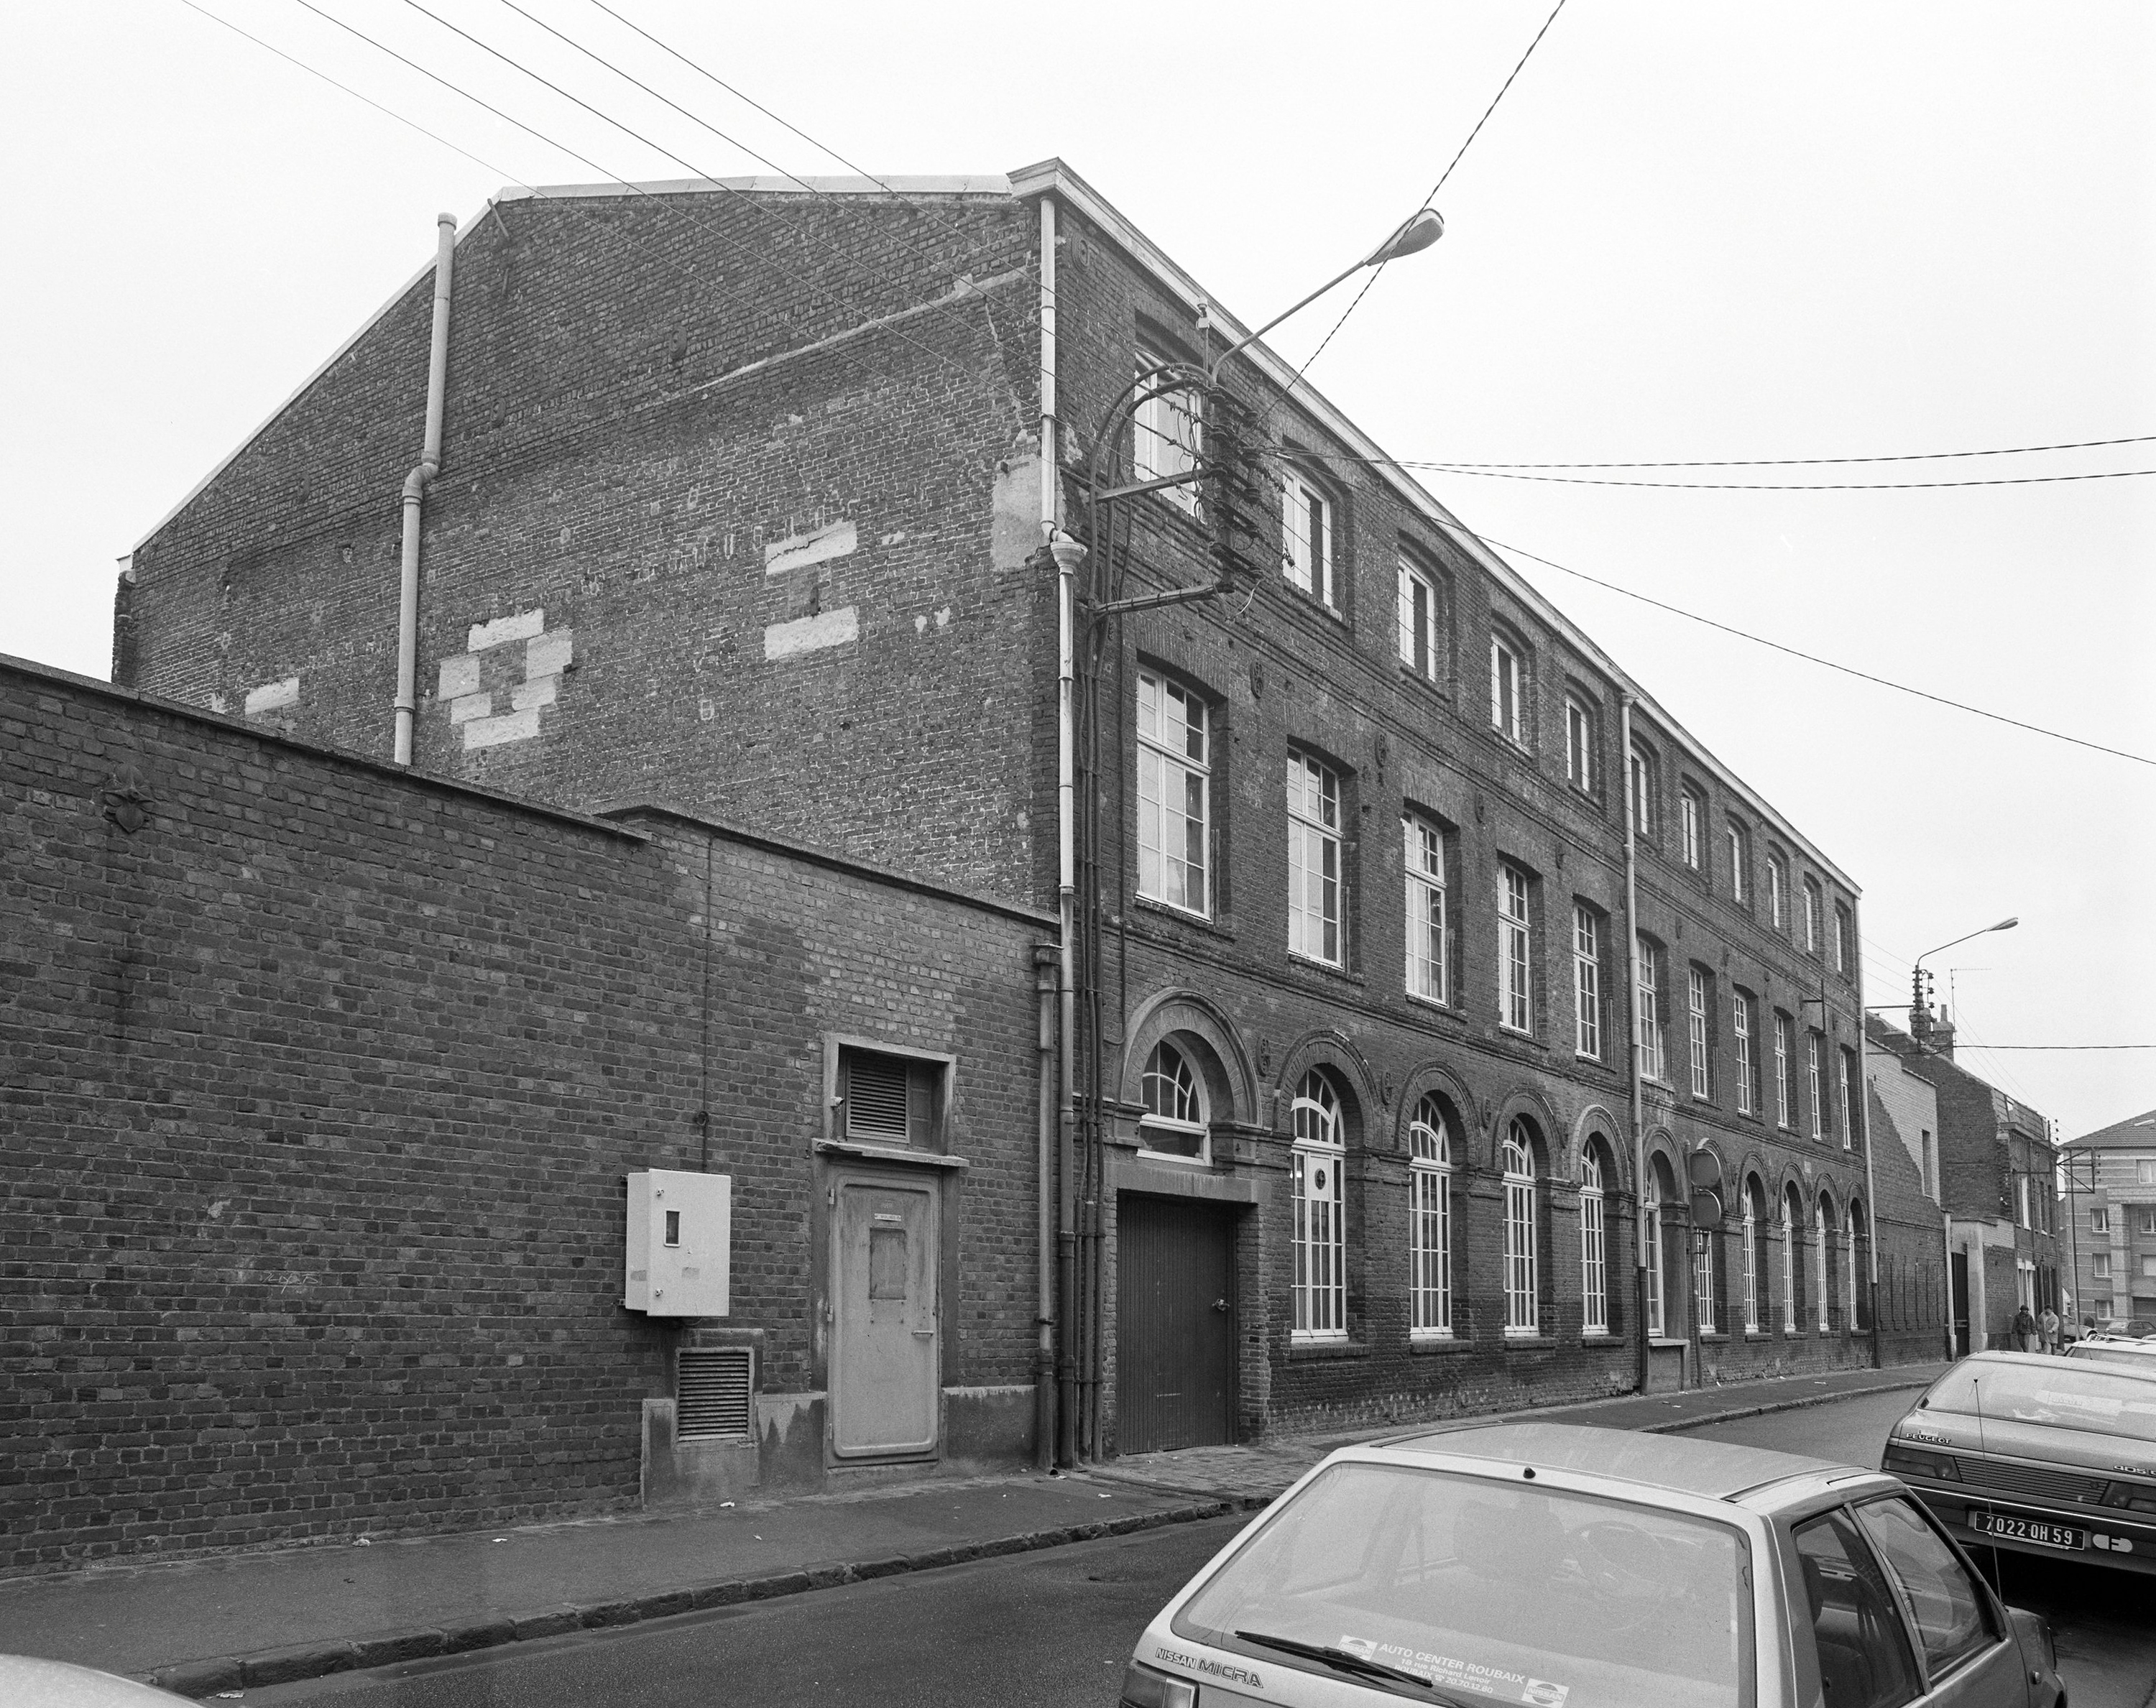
(1175, 1325)
(1959, 1279)
(885, 1354)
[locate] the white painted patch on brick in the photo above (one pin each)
(943, 618)
(897, 539)
(706, 710)
(467, 706)
(808, 634)
(272, 695)
(531, 695)
(459, 676)
(217, 703)
(511, 727)
(799, 551)
(521, 627)
(545, 655)
(921, 625)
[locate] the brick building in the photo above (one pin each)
(742, 505)
(1914, 1267)
(1996, 1172)
(2111, 1220)
(322, 1080)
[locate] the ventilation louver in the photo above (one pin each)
(876, 1098)
(711, 1399)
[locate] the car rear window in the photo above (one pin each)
(1492, 1589)
(2063, 1394)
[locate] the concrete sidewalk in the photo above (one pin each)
(205, 1626)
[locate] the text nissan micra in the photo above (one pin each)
(1562, 1566)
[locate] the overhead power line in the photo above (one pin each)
(2078, 444)
(1774, 485)
(1485, 541)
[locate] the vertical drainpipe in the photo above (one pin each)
(1863, 1090)
(1632, 1029)
(1062, 1244)
(415, 488)
(1044, 982)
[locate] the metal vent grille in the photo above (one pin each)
(2038, 1482)
(711, 1396)
(876, 1097)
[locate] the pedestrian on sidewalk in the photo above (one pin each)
(2025, 1330)
(2048, 1326)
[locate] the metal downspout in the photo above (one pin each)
(415, 488)
(1863, 1089)
(1632, 1029)
(1057, 1306)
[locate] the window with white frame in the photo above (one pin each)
(1174, 1123)
(2144, 1173)
(1785, 1071)
(1703, 1280)
(1854, 1312)
(1174, 794)
(2025, 1279)
(2021, 1199)
(1508, 690)
(1515, 944)
(2147, 1267)
(1820, 1224)
(1844, 938)
(1587, 982)
(1650, 1236)
(1698, 1031)
(1740, 862)
(1743, 1013)
(2099, 1219)
(1852, 1088)
(1578, 744)
(1593, 1246)
(2102, 1262)
(1777, 891)
(1751, 1259)
(1429, 1223)
(1319, 1157)
(1788, 1263)
(1419, 617)
(1425, 844)
(1521, 1290)
(1306, 539)
(1647, 1004)
(2145, 1220)
(1811, 916)
(1815, 1080)
(1166, 435)
(1690, 809)
(1642, 791)
(1313, 861)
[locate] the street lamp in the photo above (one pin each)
(1917, 973)
(1417, 233)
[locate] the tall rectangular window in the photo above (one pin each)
(1697, 1031)
(1507, 691)
(1777, 891)
(1319, 1231)
(1418, 615)
(1785, 1071)
(1816, 1081)
(1174, 780)
(1587, 982)
(1640, 791)
(1429, 1224)
(1594, 1247)
(1844, 938)
(1578, 745)
(1166, 436)
(1313, 861)
(1811, 916)
(1703, 1282)
(1306, 539)
(1852, 1088)
(2099, 1220)
(1653, 1062)
(1740, 876)
(1743, 1012)
(1515, 1007)
(1689, 812)
(1425, 908)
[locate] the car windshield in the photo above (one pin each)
(2063, 1394)
(1492, 1591)
(2134, 1354)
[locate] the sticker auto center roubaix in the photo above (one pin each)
(1450, 1672)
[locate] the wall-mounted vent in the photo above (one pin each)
(876, 1088)
(711, 1396)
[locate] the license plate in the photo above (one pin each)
(2008, 1526)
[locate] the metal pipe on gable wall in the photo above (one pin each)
(415, 488)
(1632, 1008)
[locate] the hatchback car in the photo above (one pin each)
(2041, 1455)
(1565, 1567)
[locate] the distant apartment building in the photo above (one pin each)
(2111, 1204)
(1996, 1172)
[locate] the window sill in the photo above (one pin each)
(1437, 1345)
(1429, 684)
(1310, 602)
(1598, 1337)
(1207, 923)
(1310, 964)
(1435, 1004)
(1529, 1343)
(1298, 1351)
(1666, 1342)
(1753, 1336)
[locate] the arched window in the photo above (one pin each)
(1321, 1287)
(1822, 1221)
(1856, 1292)
(1790, 1271)
(1650, 1231)
(1521, 1294)
(1755, 1231)
(1593, 1245)
(1703, 1266)
(1174, 1120)
(1429, 1223)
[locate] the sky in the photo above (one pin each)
(1688, 231)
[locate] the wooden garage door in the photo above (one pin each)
(1175, 1325)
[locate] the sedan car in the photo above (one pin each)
(2132, 1327)
(1565, 1567)
(2041, 1456)
(2115, 1349)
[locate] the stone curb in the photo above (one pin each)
(310, 1660)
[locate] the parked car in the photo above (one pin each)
(28, 1682)
(2115, 1349)
(2134, 1327)
(2041, 1455)
(1562, 1566)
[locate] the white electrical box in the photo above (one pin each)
(679, 1243)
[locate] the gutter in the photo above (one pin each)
(415, 488)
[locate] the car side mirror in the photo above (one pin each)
(1925, 1403)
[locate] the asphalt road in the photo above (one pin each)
(1054, 1628)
